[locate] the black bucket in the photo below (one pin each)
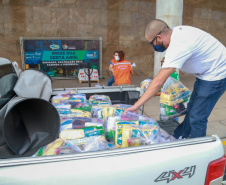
(29, 124)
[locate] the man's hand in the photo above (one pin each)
(133, 109)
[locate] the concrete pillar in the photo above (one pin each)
(171, 12)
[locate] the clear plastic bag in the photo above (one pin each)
(100, 99)
(144, 84)
(173, 99)
(130, 116)
(78, 98)
(63, 108)
(82, 132)
(110, 127)
(81, 122)
(122, 106)
(80, 113)
(68, 92)
(102, 112)
(60, 99)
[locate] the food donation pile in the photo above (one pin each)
(96, 124)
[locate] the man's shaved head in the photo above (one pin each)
(154, 27)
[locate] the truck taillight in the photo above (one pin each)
(215, 169)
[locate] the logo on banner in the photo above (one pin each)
(65, 46)
(54, 46)
(37, 53)
(91, 55)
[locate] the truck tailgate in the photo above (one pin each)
(181, 162)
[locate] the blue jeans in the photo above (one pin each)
(202, 101)
(111, 80)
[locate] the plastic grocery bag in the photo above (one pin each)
(144, 84)
(173, 99)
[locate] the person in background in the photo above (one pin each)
(122, 70)
(116, 58)
(195, 52)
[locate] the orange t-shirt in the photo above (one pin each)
(122, 72)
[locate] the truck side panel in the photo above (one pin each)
(176, 163)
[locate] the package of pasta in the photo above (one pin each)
(123, 132)
(80, 113)
(70, 116)
(173, 99)
(100, 99)
(82, 132)
(111, 111)
(144, 84)
(52, 148)
(60, 99)
(81, 106)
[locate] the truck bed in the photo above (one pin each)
(183, 162)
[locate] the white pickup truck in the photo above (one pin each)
(199, 161)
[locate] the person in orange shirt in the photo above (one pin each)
(122, 70)
(116, 58)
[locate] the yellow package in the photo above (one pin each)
(108, 112)
(123, 132)
(51, 149)
(59, 99)
(81, 113)
(72, 134)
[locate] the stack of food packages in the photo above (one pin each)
(173, 99)
(96, 124)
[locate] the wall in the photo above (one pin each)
(208, 15)
(121, 23)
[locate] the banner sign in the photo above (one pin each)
(61, 57)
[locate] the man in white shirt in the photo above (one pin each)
(195, 52)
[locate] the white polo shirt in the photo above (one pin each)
(196, 52)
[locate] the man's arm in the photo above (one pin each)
(153, 88)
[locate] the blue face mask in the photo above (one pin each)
(159, 48)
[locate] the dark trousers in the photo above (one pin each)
(111, 80)
(202, 101)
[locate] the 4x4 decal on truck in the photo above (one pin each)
(172, 175)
